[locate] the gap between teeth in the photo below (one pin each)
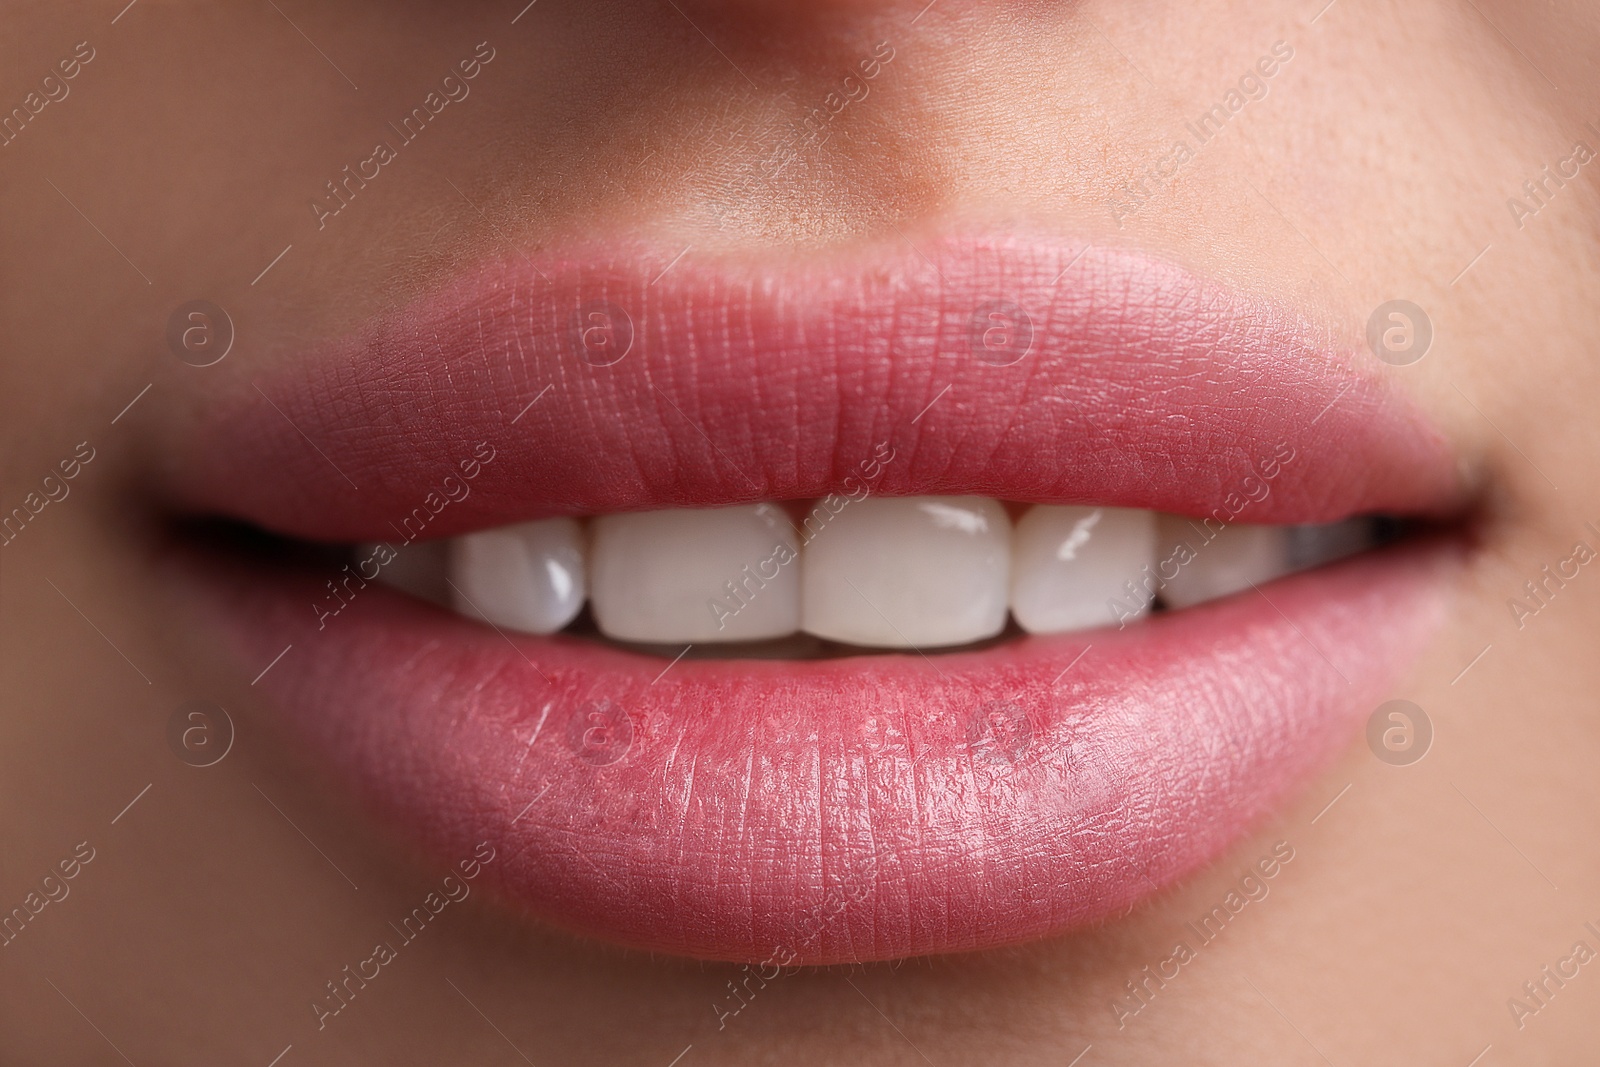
(889, 572)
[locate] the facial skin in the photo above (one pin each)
(1377, 165)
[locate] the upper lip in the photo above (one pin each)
(756, 788)
(1142, 386)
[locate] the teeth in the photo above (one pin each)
(722, 574)
(1069, 563)
(419, 569)
(528, 577)
(1312, 546)
(1214, 562)
(889, 572)
(900, 572)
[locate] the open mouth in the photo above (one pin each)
(844, 608)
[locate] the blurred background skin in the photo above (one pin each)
(1378, 165)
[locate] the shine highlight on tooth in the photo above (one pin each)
(1068, 562)
(528, 577)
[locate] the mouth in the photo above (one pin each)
(838, 608)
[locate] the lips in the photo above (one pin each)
(856, 808)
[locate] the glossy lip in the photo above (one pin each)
(863, 808)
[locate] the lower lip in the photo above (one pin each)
(855, 809)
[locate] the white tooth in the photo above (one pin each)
(1069, 563)
(909, 572)
(418, 569)
(1218, 561)
(719, 574)
(527, 577)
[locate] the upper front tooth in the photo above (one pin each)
(1069, 563)
(528, 577)
(722, 574)
(1217, 561)
(908, 572)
